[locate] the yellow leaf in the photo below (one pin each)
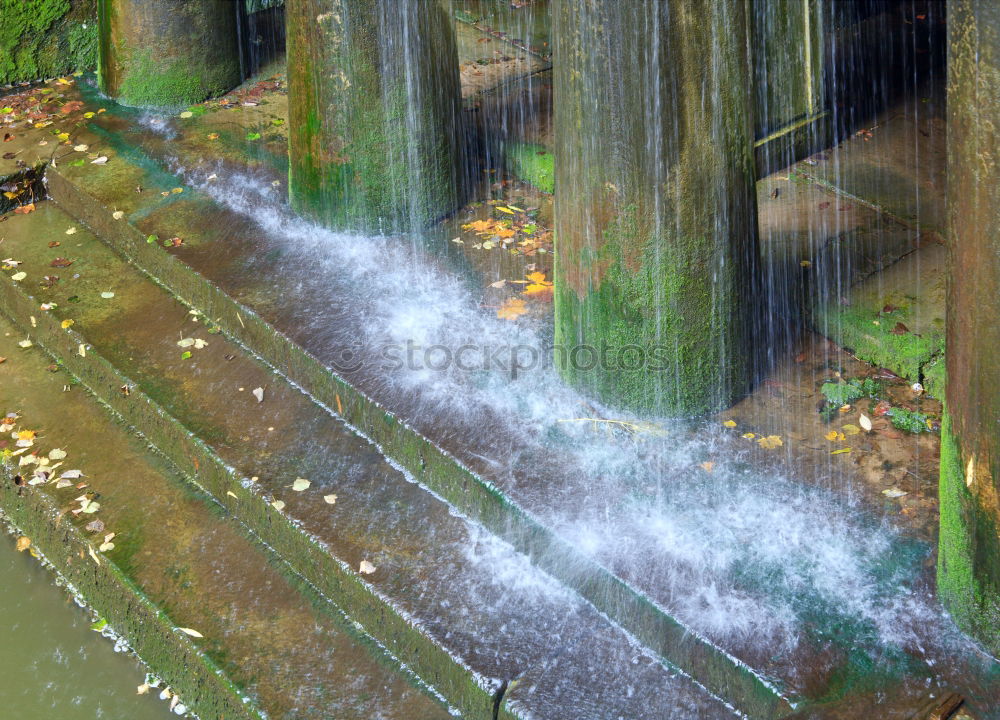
(850, 429)
(330, 499)
(23, 543)
(831, 436)
(707, 466)
(841, 451)
(749, 436)
(26, 435)
(300, 484)
(66, 323)
(536, 277)
(501, 208)
(63, 136)
(770, 442)
(213, 136)
(192, 633)
(730, 423)
(512, 309)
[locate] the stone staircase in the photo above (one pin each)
(427, 591)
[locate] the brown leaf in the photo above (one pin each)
(54, 243)
(900, 329)
(24, 209)
(61, 262)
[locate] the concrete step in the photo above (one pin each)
(245, 280)
(459, 608)
(269, 645)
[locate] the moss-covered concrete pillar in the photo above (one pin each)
(656, 241)
(167, 52)
(969, 552)
(374, 109)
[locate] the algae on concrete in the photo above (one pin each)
(656, 213)
(969, 553)
(375, 139)
(154, 53)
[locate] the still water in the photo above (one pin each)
(52, 665)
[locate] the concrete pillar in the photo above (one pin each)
(167, 52)
(969, 550)
(374, 112)
(656, 241)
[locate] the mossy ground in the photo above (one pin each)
(871, 337)
(533, 163)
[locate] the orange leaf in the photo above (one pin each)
(512, 309)
(24, 209)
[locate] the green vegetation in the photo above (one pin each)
(844, 393)
(46, 38)
(533, 164)
(909, 420)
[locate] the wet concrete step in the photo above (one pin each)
(230, 267)
(269, 646)
(461, 608)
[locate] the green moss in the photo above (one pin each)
(855, 328)
(150, 81)
(656, 333)
(533, 164)
(934, 376)
(375, 159)
(968, 571)
(46, 38)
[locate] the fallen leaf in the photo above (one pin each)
(366, 568)
(107, 295)
(258, 393)
(850, 429)
(894, 492)
(61, 262)
(330, 499)
(278, 505)
(23, 543)
(80, 148)
(865, 422)
(900, 329)
(707, 466)
(18, 276)
(25, 343)
(770, 442)
(192, 633)
(71, 231)
(118, 214)
(729, 423)
(512, 309)
(749, 436)
(94, 526)
(57, 454)
(103, 159)
(142, 689)
(300, 484)
(186, 114)
(841, 451)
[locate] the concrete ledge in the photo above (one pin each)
(148, 630)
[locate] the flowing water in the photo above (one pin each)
(767, 564)
(54, 664)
